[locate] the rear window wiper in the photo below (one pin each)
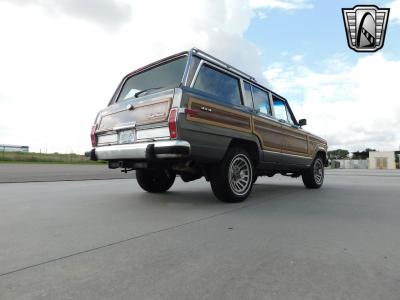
(146, 90)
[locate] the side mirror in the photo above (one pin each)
(302, 122)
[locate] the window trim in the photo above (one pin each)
(212, 66)
(242, 82)
(269, 100)
(288, 111)
(292, 114)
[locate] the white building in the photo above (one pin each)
(349, 164)
(382, 160)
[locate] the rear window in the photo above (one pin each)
(219, 84)
(167, 75)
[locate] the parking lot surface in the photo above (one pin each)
(107, 239)
(36, 172)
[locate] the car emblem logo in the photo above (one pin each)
(365, 27)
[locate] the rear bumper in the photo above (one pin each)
(141, 151)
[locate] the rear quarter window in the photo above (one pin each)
(218, 84)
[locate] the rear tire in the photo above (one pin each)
(232, 180)
(313, 177)
(155, 181)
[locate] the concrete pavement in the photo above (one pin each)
(34, 172)
(109, 240)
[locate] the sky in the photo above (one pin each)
(61, 61)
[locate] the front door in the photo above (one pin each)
(295, 140)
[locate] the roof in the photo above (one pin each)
(217, 61)
(206, 56)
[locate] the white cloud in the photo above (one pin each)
(354, 107)
(60, 63)
(282, 4)
(298, 58)
(395, 10)
(261, 15)
(106, 13)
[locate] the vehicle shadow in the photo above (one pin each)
(203, 195)
(200, 195)
(269, 191)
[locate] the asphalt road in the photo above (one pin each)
(106, 239)
(32, 172)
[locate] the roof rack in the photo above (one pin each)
(217, 61)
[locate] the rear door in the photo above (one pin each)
(216, 112)
(268, 130)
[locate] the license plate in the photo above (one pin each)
(126, 136)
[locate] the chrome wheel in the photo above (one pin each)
(240, 174)
(318, 171)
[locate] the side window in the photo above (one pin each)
(280, 109)
(218, 84)
(248, 99)
(261, 101)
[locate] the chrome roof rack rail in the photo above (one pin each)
(219, 62)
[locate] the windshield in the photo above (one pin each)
(167, 75)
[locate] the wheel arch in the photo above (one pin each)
(321, 152)
(252, 147)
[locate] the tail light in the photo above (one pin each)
(92, 136)
(172, 123)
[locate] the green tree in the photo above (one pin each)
(362, 154)
(338, 154)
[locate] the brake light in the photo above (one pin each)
(92, 136)
(172, 123)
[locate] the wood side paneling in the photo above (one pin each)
(218, 115)
(269, 133)
(295, 141)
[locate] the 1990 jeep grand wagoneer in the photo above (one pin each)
(193, 115)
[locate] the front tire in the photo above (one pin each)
(313, 178)
(155, 181)
(232, 180)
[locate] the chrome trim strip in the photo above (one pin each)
(177, 98)
(116, 128)
(105, 139)
(300, 156)
(135, 151)
(294, 155)
(153, 133)
(185, 76)
(196, 73)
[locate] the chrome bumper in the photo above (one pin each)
(149, 150)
